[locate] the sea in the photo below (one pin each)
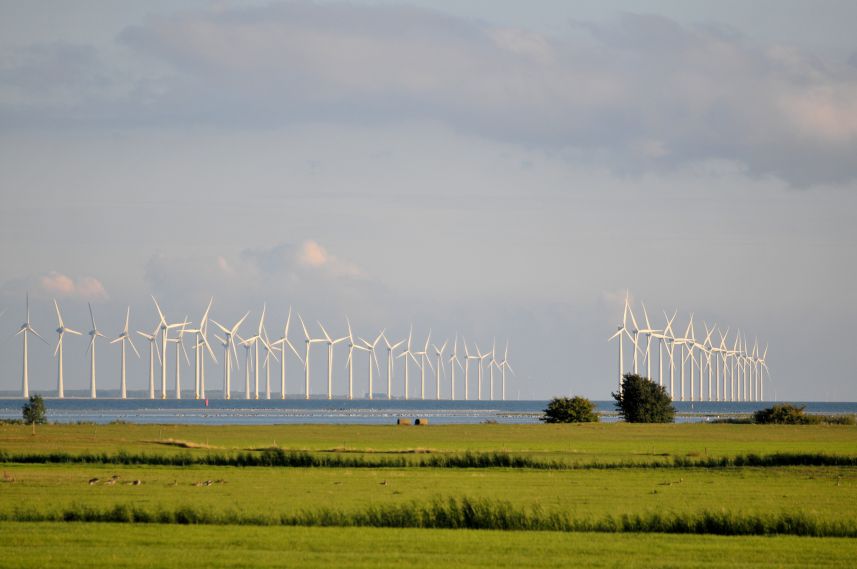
(359, 411)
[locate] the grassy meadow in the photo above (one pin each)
(258, 496)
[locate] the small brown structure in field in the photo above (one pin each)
(421, 422)
(403, 421)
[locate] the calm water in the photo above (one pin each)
(265, 412)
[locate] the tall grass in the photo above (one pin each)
(302, 459)
(462, 513)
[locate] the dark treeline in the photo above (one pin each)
(303, 459)
(462, 513)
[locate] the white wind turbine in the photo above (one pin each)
(309, 342)
(481, 357)
(248, 364)
(454, 361)
(492, 364)
(153, 347)
(253, 343)
(391, 348)
(352, 345)
(621, 332)
(439, 353)
(62, 329)
(649, 332)
(669, 337)
(124, 337)
(504, 365)
(93, 334)
(422, 363)
(708, 350)
(467, 358)
(723, 355)
(330, 343)
(25, 330)
(689, 345)
(201, 344)
(179, 342)
(763, 367)
(408, 354)
(282, 343)
(165, 328)
(228, 341)
(370, 346)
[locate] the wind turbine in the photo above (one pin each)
(93, 334)
(391, 348)
(26, 329)
(248, 364)
(124, 337)
(309, 342)
(669, 338)
(492, 363)
(454, 361)
(200, 342)
(330, 343)
(408, 354)
(467, 358)
(350, 363)
(165, 328)
(763, 367)
(723, 355)
(370, 346)
(61, 331)
(621, 332)
(481, 357)
(439, 353)
(179, 342)
(708, 349)
(153, 347)
(689, 345)
(423, 360)
(649, 332)
(282, 343)
(504, 365)
(228, 341)
(253, 343)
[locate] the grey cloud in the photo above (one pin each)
(636, 94)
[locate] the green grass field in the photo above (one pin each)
(119, 546)
(824, 493)
(575, 443)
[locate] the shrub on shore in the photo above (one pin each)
(570, 410)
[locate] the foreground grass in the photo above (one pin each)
(113, 545)
(827, 493)
(571, 443)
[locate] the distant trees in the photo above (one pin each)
(570, 410)
(788, 414)
(643, 401)
(33, 411)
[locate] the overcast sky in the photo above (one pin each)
(488, 168)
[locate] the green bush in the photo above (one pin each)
(34, 410)
(787, 414)
(643, 401)
(570, 410)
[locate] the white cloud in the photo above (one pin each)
(63, 286)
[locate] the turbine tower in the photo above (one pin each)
(453, 361)
(179, 342)
(408, 354)
(93, 334)
(467, 358)
(391, 348)
(282, 343)
(440, 367)
(481, 357)
(62, 329)
(621, 332)
(124, 337)
(330, 343)
(649, 333)
(309, 342)
(153, 347)
(200, 342)
(25, 330)
(422, 363)
(370, 346)
(350, 363)
(504, 365)
(228, 341)
(164, 328)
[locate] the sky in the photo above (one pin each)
(496, 170)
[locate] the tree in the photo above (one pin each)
(570, 410)
(34, 410)
(643, 401)
(784, 414)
